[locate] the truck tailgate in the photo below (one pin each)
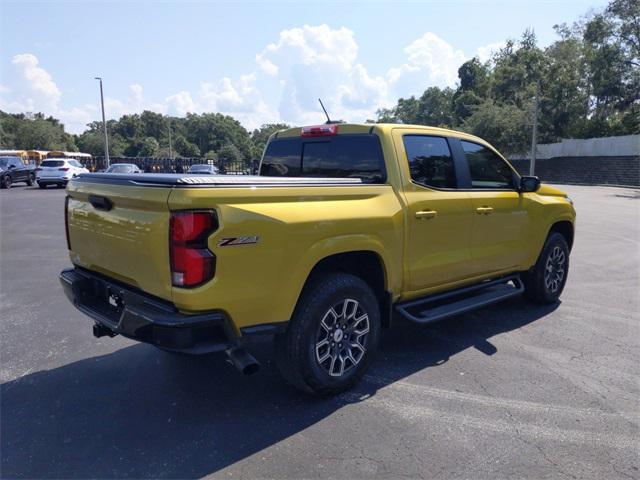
(121, 230)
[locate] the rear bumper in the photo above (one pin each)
(54, 178)
(52, 181)
(133, 314)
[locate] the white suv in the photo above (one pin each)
(58, 171)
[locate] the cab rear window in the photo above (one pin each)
(340, 156)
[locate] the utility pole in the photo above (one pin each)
(104, 126)
(534, 135)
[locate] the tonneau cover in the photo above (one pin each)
(185, 180)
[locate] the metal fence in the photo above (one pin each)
(175, 165)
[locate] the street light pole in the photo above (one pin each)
(104, 127)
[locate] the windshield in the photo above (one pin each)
(4, 162)
(120, 169)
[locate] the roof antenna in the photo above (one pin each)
(325, 112)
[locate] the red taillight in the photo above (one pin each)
(320, 131)
(192, 263)
(63, 169)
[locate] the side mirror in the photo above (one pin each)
(529, 184)
(11, 167)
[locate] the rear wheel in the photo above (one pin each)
(545, 282)
(60, 185)
(31, 180)
(332, 337)
(5, 182)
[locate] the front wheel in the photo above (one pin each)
(332, 337)
(545, 282)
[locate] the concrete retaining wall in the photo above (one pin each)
(623, 146)
(601, 170)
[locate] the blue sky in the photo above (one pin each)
(261, 62)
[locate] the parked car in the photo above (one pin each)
(58, 171)
(13, 170)
(123, 168)
(204, 169)
(346, 227)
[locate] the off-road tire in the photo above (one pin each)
(545, 282)
(297, 354)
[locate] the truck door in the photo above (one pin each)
(500, 217)
(439, 216)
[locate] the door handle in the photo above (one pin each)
(484, 210)
(426, 214)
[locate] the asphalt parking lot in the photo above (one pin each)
(513, 390)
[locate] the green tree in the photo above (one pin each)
(129, 126)
(228, 156)
(473, 76)
(211, 131)
(92, 141)
(185, 148)
(434, 107)
(507, 127)
(148, 147)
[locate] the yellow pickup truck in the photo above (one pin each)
(345, 228)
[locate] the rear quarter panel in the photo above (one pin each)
(297, 227)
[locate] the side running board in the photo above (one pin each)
(436, 307)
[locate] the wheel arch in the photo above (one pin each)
(564, 228)
(368, 265)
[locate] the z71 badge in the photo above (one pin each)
(229, 241)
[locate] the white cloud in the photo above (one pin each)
(309, 45)
(136, 92)
(312, 62)
(431, 61)
(76, 119)
(485, 53)
(35, 88)
(240, 99)
(134, 103)
(180, 103)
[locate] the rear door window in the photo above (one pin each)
(487, 169)
(430, 161)
(341, 156)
